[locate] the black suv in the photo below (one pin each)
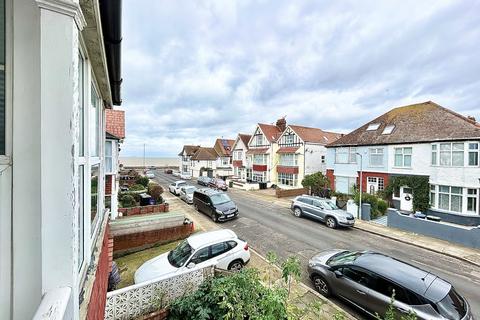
(216, 204)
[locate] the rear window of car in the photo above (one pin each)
(306, 200)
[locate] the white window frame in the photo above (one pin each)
(287, 177)
(403, 155)
(225, 161)
(289, 159)
(377, 153)
(259, 140)
(472, 196)
(259, 176)
(289, 139)
(450, 194)
(450, 153)
(351, 182)
(263, 160)
(349, 152)
(111, 157)
(473, 151)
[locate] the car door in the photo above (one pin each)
(222, 252)
(353, 285)
(319, 209)
(306, 206)
(200, 257)
(171, 187)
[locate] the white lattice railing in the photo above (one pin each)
(139, 299)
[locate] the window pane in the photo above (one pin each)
(81, 216)
(445, 189)
(2, 77)
(81, 101)
(457, 147)
(456, 190)
(434, 147)
(473, 158)
(443, 200)
(472, 204)
(432, 199)
(407, 161)
(398, 160)
(407, 150)
(445, 159)
(457, 158)
(398, 151)
(434, 158)
(445, 146)
(94, 122)
(456, 203)
(94, 196)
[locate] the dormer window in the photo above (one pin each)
(373, 126)
(388, 129)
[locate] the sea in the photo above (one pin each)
(157, 162)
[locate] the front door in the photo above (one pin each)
(372, 185)
(406, 199)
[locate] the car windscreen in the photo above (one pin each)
(345, 257)
(181, 184)
(452, 306)
(220, 198)
(178, 256)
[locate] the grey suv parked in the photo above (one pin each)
(369, 279)
(322, 209)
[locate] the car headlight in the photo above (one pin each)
(219, 212)
(342, 219)
(311, 264)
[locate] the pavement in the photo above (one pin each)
(268, 225)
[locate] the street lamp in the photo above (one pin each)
(360, 200)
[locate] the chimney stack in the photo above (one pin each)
(472, 119)
(281, 124)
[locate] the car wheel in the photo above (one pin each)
(331, 222)
(215, 218)
(195, 206)
(297, 212)
(235, 265)
(321, 285)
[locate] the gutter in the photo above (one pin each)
(111, 16)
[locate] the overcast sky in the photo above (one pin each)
(197, 70)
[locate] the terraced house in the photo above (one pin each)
(186, 158)
(60, 72)
(422, 139)
(242, 168)
(224, 148)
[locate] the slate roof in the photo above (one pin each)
(205, 154)
(421, 122)
(272, 133)
(189, 149)
(315, 135)
(224, 147)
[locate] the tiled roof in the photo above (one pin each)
(224, 146)
(205, 154)
(257, 151)
(422, 122)
(272, 133)
(315, 135)
(115, 123)
(189, 149)
(287, 149)
(245, 138)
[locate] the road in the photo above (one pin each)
(271, 227)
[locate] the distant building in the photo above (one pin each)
(185, 155)
(240, 162)
(224, 148)
(423, 139)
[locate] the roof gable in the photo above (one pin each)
(224, 147)
(422, 122)
(271, 132)
(314, 135)
(188, 150)
(205, 154)
(242, 141)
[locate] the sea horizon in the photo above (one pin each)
(149, 161)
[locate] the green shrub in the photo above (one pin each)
(378, 207)
(143, 181)
(382, 206)
(317, 182)
(128, 201)
(155, 190)
(341, 196)
(137, 187)
(234, 297)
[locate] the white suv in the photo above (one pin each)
(221, 247)
(175, 187)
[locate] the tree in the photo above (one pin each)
(318, 183)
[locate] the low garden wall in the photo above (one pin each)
(280, 193)
(467, 236)
(156, 208)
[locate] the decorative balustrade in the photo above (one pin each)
(143, 298)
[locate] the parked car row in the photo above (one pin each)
(214, 183)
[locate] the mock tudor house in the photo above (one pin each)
(301, 151)
(60, 70)
(242, 168)
(423, 139)
(204, 162)
(114, 135)
(186, 158)
(224, 147)
(262, 148)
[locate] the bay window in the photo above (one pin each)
(259, 176)
(109, 165)
(94, 120)
(472, 200)
(376, 157)
(94, 197)
(345, 184)
(433, 196)
(260, 159)
(450, 198)
(288, 159)
(451, 154)
(287, 179)
(403, 157)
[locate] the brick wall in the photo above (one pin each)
(140, 240)
(133, 211)
(280, 193)
(115, 122)
(367, 174)
(331, 178)
(108, 184)
(98, 298)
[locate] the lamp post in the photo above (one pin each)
(361, 174)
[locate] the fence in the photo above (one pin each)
(280, 193)
(156, 208)
(143, 298)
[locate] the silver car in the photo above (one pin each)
(370, 279)
(186, 193)
(322, 209)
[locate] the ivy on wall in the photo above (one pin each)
(420, 189)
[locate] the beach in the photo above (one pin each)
(157, 162)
